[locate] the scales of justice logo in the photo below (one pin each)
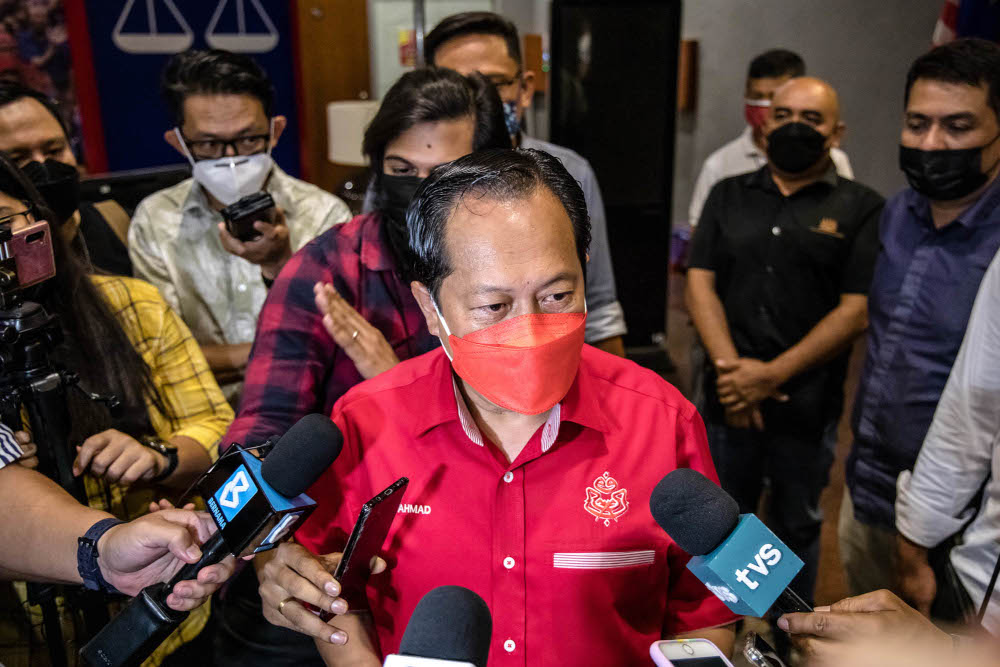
(605, 501)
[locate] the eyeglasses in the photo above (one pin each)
(210, 149)
(499, 81)
(12, 217)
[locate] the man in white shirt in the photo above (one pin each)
(226, 127)
(746, 152)
(960, 455)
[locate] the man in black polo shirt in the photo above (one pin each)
(780, 266)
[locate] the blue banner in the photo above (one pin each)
(131, 42)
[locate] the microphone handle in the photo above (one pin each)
(789, 602)
(212, 552)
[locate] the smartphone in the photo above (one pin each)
(759, 653)
(367, 538)
(28, 255)
(241, 216)
(687, 653)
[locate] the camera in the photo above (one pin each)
(26, 257)
(241, 215)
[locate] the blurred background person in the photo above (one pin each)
(223, 104)
(488, 43)
(937, 238)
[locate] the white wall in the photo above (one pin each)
(863, 48)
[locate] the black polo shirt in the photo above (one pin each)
(782, 263)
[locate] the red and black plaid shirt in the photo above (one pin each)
(295, 367)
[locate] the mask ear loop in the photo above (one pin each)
(184, 146)
(270, 136)
(447, 331)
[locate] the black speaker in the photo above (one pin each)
(614, 96)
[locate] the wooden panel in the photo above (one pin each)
(687, 75)
(333, 65)
(533, 61)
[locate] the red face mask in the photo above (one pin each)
(525, 364)
(755, 111)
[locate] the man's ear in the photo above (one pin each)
(838, 134)
(171, 138)
(280, 123)
(426, 303)
(527, 89)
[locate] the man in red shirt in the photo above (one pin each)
(531, 456)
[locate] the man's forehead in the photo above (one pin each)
(28, 120)
(204, 111)
(944, 98)
(478, 52)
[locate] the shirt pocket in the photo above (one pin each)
(615, 595)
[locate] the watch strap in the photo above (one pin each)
(167, 451)
(87, 555)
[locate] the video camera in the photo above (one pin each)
(26, 259)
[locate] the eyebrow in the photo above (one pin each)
(964, 115)
(398, 159)
(249, 129)
(489, 289)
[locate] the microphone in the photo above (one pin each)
(255, 505)
(450, 627)
(736, 556)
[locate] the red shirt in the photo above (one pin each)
(560, 543)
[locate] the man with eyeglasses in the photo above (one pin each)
(226, 128)
(488, 43)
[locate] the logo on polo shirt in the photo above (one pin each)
(605, 501)
(828, 226)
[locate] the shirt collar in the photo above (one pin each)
(979, 213)
(580, 406)
(375, 253)
(747, 145)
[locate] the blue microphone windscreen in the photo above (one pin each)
(449, 623)
(694, 511)
(307, 449)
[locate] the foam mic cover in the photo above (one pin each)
(694, 511)
(449, 623)
(306, 450)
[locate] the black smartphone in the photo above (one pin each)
(367, 538)
(241, 215)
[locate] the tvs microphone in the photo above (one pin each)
(450, 627)
(736, 556)
(255, 505)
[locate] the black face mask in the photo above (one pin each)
(59, 185)
(794, 147)
(395, 193)
(944, 175)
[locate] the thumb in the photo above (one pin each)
(175, 530)
(780, 397)
(725, 364)
(881, 600)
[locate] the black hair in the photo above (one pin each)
(775, 64)
(496, 175)
(972, 61)
(473, 23)
(12, 91)
(214, 72)
(95, 345)
(432, 94)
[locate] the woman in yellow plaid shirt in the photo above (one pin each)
(122, 338)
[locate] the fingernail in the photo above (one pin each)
(338, 637)
(332, 588)
(823, 608)
(339, 607)
(783, 623)
(193, 552)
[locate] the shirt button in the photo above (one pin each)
(509, 646)
(508, 562)
(770, 269)
(508, 477)
(241, 287)
(776, 230)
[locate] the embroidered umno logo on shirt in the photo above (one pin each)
(605, 501)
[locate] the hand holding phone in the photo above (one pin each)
(241, 216)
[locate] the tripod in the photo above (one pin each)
(28, 377)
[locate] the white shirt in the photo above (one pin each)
(960, 453)
(741, 156)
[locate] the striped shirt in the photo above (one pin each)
(10, 451)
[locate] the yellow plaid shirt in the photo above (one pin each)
(198, 408)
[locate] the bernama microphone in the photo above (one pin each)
(255, 504)
(736, 556)
(450, 627)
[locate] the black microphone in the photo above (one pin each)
(450, 627)
(255, 504)
(736, 556)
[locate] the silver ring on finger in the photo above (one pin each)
(354, 336)
(281, 605)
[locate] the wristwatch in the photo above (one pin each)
(86, 556)
(166, 450)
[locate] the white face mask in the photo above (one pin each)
(232, 177)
